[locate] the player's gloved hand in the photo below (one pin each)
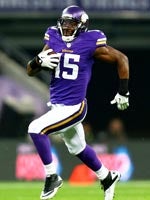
(48, 59)
(122, 101)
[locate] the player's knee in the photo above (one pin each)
(75, 150)
(32, 128)
(74, 143)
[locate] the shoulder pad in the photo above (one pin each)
(50, 31)
(98, 36)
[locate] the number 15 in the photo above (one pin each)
(67, 65)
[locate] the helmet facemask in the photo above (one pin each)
(69, 28)
(70, 25)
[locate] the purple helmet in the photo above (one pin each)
(72, 21)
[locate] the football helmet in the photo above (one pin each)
(73, 20)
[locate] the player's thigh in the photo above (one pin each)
(50, 118)
(58, 118)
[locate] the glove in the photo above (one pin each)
(48, 59)
(121, 101)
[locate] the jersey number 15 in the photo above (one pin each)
(68, 67)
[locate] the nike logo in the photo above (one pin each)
(46, 194)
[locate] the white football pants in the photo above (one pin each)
(66, 121)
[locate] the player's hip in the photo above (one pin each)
(58, 118)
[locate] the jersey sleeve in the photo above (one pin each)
(47, 36)
(50, 36)
(96, 38)
(101, 39)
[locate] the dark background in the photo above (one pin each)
(104, 86)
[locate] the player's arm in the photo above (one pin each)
(33, 66)
(46, 60)
(111, 55)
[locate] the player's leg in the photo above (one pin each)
(43, 145)
(58, 118)
(76, 145)
(52, 181)
(108, 179)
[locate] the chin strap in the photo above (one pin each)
(72, 37)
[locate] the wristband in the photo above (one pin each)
(34, 64)
(123, 87)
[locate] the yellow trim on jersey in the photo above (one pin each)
(65, 121)
(46, 37)
(101, 41)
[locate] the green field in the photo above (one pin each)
(133, 190)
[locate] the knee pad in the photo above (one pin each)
(74, 139)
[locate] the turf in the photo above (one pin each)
(133, 190)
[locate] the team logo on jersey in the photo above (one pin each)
(68, 45)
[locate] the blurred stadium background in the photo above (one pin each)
(22, 26)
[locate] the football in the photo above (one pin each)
(51, 52)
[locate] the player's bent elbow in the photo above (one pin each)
(124, 58)
(32, 72)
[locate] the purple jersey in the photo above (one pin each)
(70, 79)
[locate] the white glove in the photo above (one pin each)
(121, 101)
(48, 60)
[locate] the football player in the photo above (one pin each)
(69, 52)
